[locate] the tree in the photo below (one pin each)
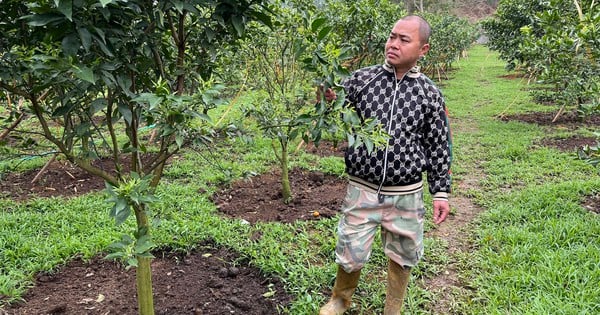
(288, 63)
(555, 43)
(93, 70)
(363, 26)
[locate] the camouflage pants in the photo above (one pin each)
(401, 221)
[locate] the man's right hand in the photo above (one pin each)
(329, 94)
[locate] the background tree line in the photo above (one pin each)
(556, 44)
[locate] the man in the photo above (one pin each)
(385, 186)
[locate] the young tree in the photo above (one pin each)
(289, 93)
(91, 70)
(289, 62)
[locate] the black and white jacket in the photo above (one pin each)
(413, 112)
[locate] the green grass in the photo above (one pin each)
(536, 252)
(538, 249)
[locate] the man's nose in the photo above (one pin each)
(395, 43)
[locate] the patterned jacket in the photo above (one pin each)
(420, 135)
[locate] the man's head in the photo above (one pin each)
(408, 41)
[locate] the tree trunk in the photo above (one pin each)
(286, 190)
(143, 273)
(410, 6)
(143, 277)
(419, 6)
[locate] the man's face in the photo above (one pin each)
(403, 48)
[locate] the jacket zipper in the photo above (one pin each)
(381, 197)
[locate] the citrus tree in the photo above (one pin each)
(450, 38)
(94, 72)
(288, 62)
(363, 26)
(503, 30)
(556, 43)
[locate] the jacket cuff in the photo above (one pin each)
(440, 195)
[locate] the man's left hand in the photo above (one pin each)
(441, 209)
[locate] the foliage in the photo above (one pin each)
(291, 60)
(96, 67)
(363, 26)
(591, 154)
(534, 239)
(450, 38)
(556, 42)
(504, 32)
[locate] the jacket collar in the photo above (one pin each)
(414, 72)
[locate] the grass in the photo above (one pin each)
(536, 247)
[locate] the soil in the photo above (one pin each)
(316, 195)
(213, 280)
(569, 144)
(567, 120)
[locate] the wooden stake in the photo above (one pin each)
(43, 170)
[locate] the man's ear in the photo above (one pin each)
(424, 50)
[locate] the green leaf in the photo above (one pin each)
(324, 32)
(317, 23)
(126, 112)
(122, 215)
(85, 73)
(143, 245)
(210, 34)
(132, 262)
(179, 140)
(63, 110)
(369, 145)
(86, 38)
(43, 19)
(322, 59)
(152, 99)
(65, 7)
(70, 44)
(178, 6)
(115, 255)
(82, 128)
(124, 82)
(350, 139)
(103, 3)
(265, 19)
(238, 24)
(97, 105)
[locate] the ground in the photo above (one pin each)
(212, 280)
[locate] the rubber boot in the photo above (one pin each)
(341, 297)
(397, 282)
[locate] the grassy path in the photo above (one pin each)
(468, 90)
(534, 249)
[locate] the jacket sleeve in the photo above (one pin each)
(438, 149)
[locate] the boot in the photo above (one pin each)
(397, 282)
(341, 297)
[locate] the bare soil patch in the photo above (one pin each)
(60, 179)
(315, 195)
(568, 120)
(569, 144)
(592, 203)
(210, 281)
